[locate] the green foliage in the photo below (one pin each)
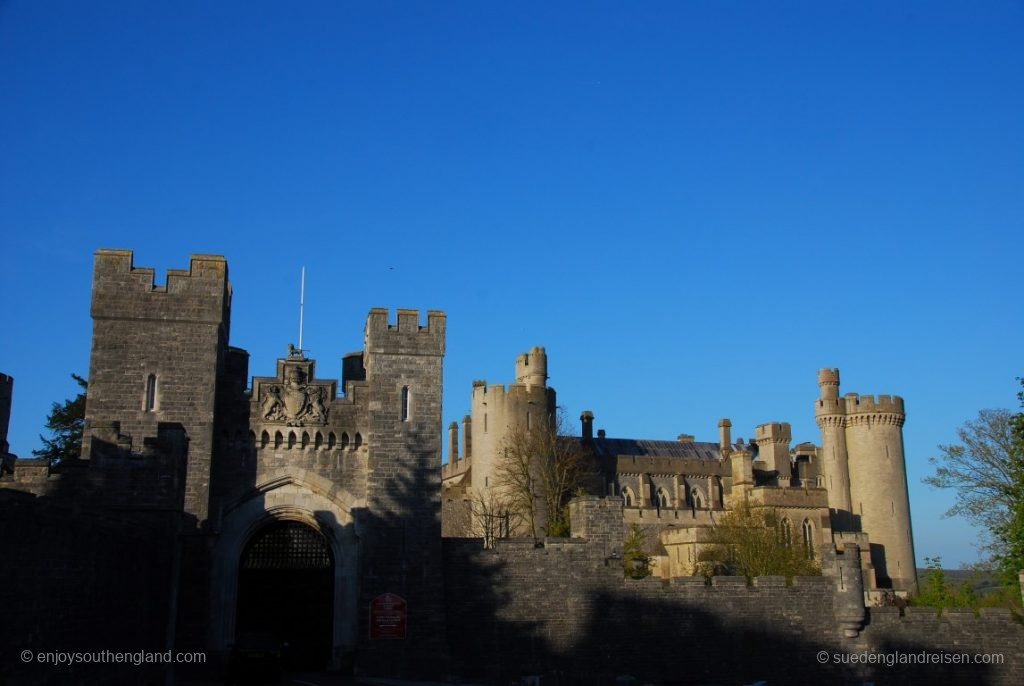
(937, 590)
(751, 542)
(65, 423)
(558, 525)
(1010, 556)
(636, 563)
(986, 470)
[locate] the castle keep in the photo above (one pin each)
(209, 509)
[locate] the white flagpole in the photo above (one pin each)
(302, 301)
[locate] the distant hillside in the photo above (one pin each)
(981, 582)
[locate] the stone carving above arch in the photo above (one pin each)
(294, 397)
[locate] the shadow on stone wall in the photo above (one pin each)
(74, 578)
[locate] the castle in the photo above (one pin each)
(207, 508)
(851, 489)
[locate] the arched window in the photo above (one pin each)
(357, 442)
(406, 403)
(277, 439)
(291, 439)
(305, 439)
(808, 530)
(264, 439)
(785, 532)
(344, 440)
(662, 498)
(697, 499)
(318, 442)
(627, 497)
(150, 401)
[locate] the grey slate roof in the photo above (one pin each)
(641, 447)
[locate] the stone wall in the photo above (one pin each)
(517, 610)
(77, 581)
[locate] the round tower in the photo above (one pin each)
(878, 486)
(830, 415)
(528, 404)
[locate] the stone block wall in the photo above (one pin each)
(78, 581)
(565, 610)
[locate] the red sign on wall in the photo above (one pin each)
(387, 617)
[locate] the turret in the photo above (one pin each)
(830, 415)
(532, 367)
(772, 441)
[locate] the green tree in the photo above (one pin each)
(65, 424)
(754, 541)
(636, 563)
(1009, 557)
(937, 590)
(986, 471)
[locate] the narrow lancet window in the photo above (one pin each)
(406, 400)
(151, 393)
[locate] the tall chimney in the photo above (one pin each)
(587, 418)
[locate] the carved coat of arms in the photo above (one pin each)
(295, 403)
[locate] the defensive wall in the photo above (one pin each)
(517, 610)
(83, 582)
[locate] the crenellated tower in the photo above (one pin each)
(401, 529)
(157, 354)
(772, 440)
(528, 403)
(878, 485)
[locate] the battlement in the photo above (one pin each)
(824, 407)
(497, 392)
(406, 337)
(867, 404)
(773, 432)
(118, 266)
(199, 294)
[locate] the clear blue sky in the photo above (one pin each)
(693, 205)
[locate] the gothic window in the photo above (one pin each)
(627, 497)
(318, 442)
(406, 403)
(808, 530)
(330, 440)
(357, 442)
(344, 440)
(662, 498)
(305, 439)
(291, 439)
(277, 439)
(785, 532)
(264, 439)
(698, 499)
(150, 393)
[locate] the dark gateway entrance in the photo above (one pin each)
(286, 594)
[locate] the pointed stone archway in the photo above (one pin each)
(328, 514)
